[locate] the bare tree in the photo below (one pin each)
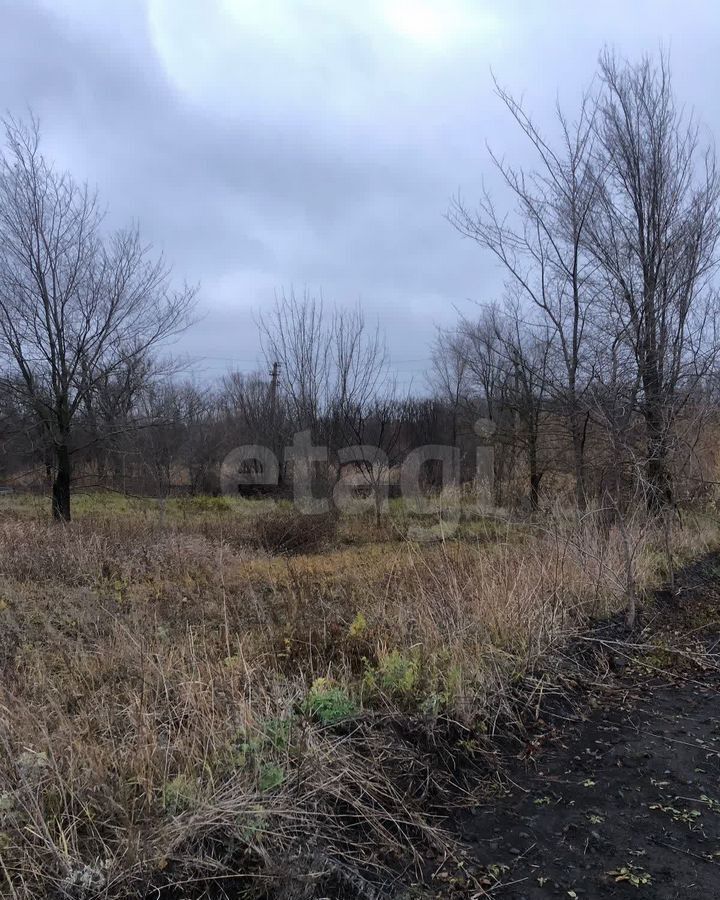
(295, 334)
(110, 409)
(450, 374)
(543, 248)
(491, 387)
(506, 366)
(529, 353)
(246, 402)
(204, 437)
(334, 373)
(371, 446)
(654, 233)
(75, 305)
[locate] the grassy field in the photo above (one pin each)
(211, 693)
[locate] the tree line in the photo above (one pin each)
(594, 374)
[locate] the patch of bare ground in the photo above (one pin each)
(618, 796)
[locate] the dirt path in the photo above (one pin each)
(634, 791)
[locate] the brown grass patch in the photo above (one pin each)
(177, 707)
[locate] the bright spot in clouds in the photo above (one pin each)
(215, 51)
(434, 25)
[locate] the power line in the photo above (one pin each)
(255, 362)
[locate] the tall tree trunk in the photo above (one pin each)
(657, 472)
(61, 484)
(660, 493)
(378, 497)
(576, 417)
(535, 474)
(101, 464)
(578, 442)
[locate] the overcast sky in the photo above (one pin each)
(262, 144)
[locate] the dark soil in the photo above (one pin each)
(624, 792)
(626, 801)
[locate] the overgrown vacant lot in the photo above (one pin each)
(214, 699)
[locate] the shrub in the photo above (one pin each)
(397, 674)
(292, 533)
(329, 703)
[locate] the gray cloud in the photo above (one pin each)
(315, 143)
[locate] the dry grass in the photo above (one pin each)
(290, 533)
(177, 707)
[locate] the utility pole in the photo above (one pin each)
(273, 390)
(274, 378)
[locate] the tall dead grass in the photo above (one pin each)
(178, 709)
